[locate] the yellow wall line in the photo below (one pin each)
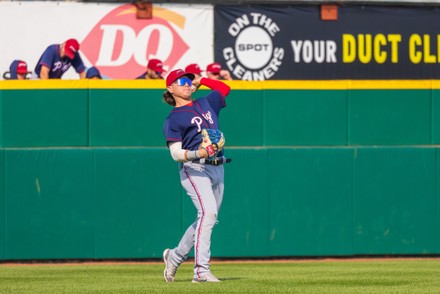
(237, 85)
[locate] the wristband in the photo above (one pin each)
(191, 155)
(196, 154)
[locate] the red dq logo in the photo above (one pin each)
(121, 45)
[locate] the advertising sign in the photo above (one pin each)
(292, 42)
(110, 36)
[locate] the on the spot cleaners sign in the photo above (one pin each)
(253, 56)
(290, 42)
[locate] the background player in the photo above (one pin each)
(203, 182)
(93, 73)
(154, 70)
(195, 69)
(214, 71)
(57, 59)
(17, 71)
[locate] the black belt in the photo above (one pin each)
(217, 161)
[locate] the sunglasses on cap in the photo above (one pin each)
(183, 81)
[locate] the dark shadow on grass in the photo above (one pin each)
(231, 279)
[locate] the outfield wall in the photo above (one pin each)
(319, 168)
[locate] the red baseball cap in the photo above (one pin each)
(156, 65)
(70, 48)
(214, 67)
(193, 68)
(175, 74)
(22, 67)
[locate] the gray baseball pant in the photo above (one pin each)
(205, 185)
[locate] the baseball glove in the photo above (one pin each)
(212, 141)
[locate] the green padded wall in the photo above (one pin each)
(390, 117)
(110, 203)
(244, 219)
(311, 200)
(271, 117)
(1, 118)
(319, 169)
(2, 206)
(245, 108)
(50, 198)
(436, 117)
(45, 118)
(396, 204)
(127, 118)
(438, 198)
(305, 117)
(138, 207)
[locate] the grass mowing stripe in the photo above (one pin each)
(389, 276)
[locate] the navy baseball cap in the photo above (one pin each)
(93, 72)
(175, 74)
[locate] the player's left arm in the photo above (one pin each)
(79, 66)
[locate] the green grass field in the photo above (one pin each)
(340, 276)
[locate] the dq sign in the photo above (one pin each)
(121, 45)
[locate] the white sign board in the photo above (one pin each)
(110, 36)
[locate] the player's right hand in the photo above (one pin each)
(196, 82)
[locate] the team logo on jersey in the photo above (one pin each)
(208, 117)
(57, 65)
(198, 121)
(253, 55)
(121, 45)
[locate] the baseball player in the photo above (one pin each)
(93, 73)
(195, 69)
(189, 130)
(57, 59)
(214, 71)
(154, 70)
(17, 71)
